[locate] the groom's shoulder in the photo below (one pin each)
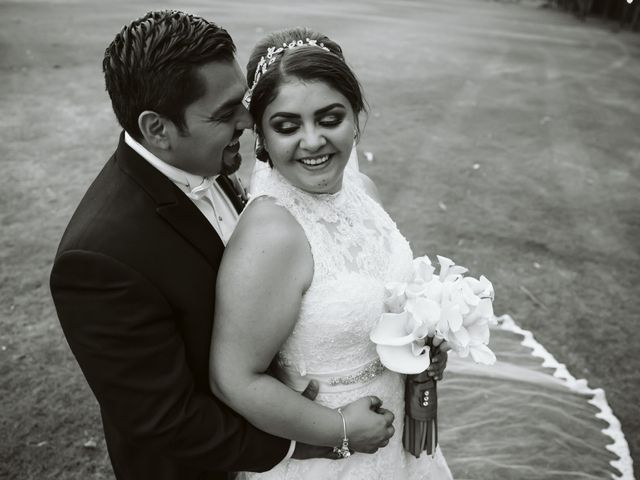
(111, 214)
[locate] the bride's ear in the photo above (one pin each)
(155, 129)
(261, 151)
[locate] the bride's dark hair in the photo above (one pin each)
(307, 63)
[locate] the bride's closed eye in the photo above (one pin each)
(332, 120)
(288, 127)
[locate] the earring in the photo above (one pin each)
(259, 144)
(259, 150)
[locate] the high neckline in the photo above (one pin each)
(320, 196)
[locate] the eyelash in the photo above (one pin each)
(334, 121)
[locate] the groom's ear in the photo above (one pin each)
(155, 129)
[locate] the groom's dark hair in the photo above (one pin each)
(151, 65)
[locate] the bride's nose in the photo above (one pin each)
(312, 140)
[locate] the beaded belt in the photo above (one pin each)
(332, 382)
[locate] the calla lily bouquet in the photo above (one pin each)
(447, 306)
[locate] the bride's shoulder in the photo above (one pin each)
(267, 223)
(268, 243)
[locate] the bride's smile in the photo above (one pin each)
(308, 133)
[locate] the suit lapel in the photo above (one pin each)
(172, 205)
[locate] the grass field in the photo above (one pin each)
(504, 136)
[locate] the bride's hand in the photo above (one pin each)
(439, 359)
(369, 427)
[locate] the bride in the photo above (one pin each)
(302, 279)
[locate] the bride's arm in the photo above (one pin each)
(266, 268)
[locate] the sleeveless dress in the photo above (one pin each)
(356, 250)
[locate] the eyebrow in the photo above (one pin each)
(316, 113)
(232, 102)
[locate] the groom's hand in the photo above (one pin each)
(311, 392)
(305, 452)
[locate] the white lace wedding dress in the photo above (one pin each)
(356, 249)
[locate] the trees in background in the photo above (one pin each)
(625, 12)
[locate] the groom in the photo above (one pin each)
(135, 274)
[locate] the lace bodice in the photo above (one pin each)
(356, 249)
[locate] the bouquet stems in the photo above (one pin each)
(420, 421)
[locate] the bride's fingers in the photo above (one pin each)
(376, 403)
(388, 415)
(384, 443)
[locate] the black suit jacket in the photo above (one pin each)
(133, 283)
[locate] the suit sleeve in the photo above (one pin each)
(123, 334)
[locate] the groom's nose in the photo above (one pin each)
(245, 120)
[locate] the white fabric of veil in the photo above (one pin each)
(526, 417)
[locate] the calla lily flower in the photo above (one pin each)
(481, 287)
(422, 269)
(483, 310)
(479, 332)
(400, 345)
(426, 314)
(394, 329)
(449, 269)
(416, 289)
(402, 359)
(434, 289)
(451, 317)
(468, 294)
(395, 297)
(482, 354)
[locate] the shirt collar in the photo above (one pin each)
(175, 174)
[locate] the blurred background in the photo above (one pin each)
(502, 134)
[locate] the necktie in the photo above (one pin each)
(238, 198)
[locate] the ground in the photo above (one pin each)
(503, 135)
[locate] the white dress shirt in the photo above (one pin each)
(214, 205)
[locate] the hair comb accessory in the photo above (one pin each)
(268, 60)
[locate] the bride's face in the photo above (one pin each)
(308, 131)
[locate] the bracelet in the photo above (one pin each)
(343, 451)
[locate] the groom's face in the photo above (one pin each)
(209, 144)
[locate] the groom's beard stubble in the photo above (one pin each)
(231, 166)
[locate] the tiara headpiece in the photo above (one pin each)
(268, 60)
